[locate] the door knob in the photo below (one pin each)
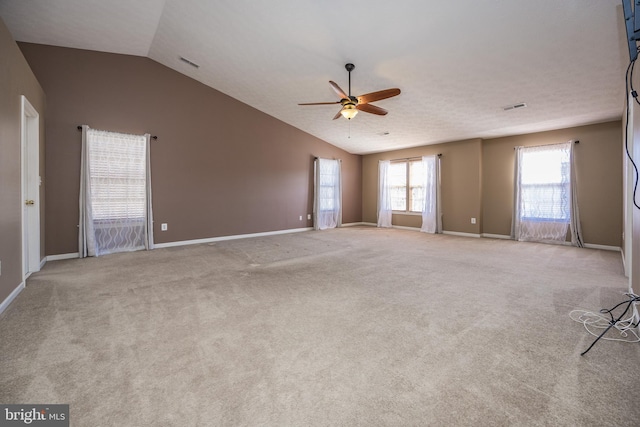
(29, 202)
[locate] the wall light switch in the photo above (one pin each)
(163, 226)
(473, 220)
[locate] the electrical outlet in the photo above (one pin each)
(300, 217)
(163, 226)
(308, 216)
(473, 220)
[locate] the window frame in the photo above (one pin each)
(101, 173)
(333, 187)
(408, 187)
(561, 186)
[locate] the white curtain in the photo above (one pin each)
(545, 196)
(431, 215)
(115, 193)
(574, 225)
(384, 194)
(327, 201)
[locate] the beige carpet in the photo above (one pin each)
(357, 326)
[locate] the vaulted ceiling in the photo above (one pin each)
(458, 63)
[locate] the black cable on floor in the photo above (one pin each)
(632, 298)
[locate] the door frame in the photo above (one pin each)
(30, 187)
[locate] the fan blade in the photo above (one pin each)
(368, 108)
(339, 91)
(337, 116)
(377, 96)
(321, 103)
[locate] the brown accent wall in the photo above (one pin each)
(478, 175)
(16, 79)
(461, 184)
(599, 179)
(219, 167)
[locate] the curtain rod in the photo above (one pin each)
(547, 145)
(412, 158)
(154, 137)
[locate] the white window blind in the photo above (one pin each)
(118, 175)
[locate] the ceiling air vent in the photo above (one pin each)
(514, 106)
(193, 64)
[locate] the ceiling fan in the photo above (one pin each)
(352, 104)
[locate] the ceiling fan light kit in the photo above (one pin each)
(352, 104)
(349, 111)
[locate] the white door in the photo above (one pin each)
(30, 141)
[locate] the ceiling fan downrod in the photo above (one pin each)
(349, 68)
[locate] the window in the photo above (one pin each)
(328, 185)
(328, 196)
(406, 180)
(410, 186)
(115, 193)
(545, 185)
(118, 176)
(545, 199)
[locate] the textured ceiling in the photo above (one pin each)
(457, 62)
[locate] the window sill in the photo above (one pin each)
(406, 213)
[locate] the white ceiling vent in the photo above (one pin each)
(514, 106)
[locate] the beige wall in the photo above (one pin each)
(16, 79)
(219, 167)
(461, 184)
(599, 179)
(477, 181)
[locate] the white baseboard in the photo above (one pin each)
(11, 297)
(458, 233)
(586, 245)
(62, 256)
(603, 247)
(399, 227)
(234, 237)
(496, 236)
(43, 262)
(402, 227)
(298, 230)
